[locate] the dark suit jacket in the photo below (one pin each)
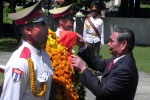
(119, 83)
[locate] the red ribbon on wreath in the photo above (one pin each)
(68, 39)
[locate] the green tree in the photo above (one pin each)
(79, 4)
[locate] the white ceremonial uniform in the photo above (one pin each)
(16, 76)
(90, 35)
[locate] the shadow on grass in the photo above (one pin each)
(8, 44)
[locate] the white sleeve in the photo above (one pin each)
(84, 30)
(83, 48)
(102, 33)
(15, 80)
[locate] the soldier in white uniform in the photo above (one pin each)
(94, 39)
(28, 73)
(64, 15)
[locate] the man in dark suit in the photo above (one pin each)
(120, 74)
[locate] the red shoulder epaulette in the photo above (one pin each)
(25, 53)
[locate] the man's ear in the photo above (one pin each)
(61, 20)
(124, 45)
(27, 30)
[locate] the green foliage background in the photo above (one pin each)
(6, 10)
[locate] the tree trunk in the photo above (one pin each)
(131, 8)
(137, 8)
(123, 11)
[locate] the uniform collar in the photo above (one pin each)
(57, 31)
(94, 18)
(33, 49)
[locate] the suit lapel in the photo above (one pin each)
(127, 56)
(106, 69)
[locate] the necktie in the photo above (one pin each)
(110, 65)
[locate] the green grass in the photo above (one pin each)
(142, 56)
(105, 52)
(144, 6)
(1, 78)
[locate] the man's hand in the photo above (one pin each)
(80, 41)
(78, 63)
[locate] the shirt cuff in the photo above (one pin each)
(83, 48)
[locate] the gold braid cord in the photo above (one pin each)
(36, 91)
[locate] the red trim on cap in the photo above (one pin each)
(28, 18)
(62, 14)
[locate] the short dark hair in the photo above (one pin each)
(125, 34)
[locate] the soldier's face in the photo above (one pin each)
(39, 34)
(67, 24)
(94, 12)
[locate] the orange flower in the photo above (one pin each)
(59, 97)
(64, 85)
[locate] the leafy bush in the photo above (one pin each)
(6, 10)
(8, 44)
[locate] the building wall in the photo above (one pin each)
(140, 26)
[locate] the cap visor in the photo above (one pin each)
(59, 10)
(23, 13)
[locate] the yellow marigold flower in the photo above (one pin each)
(67, 86)
(58, 54)
(66, 76)
(59, 97)
(63, 73)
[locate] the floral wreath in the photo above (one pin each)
(65, 78)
